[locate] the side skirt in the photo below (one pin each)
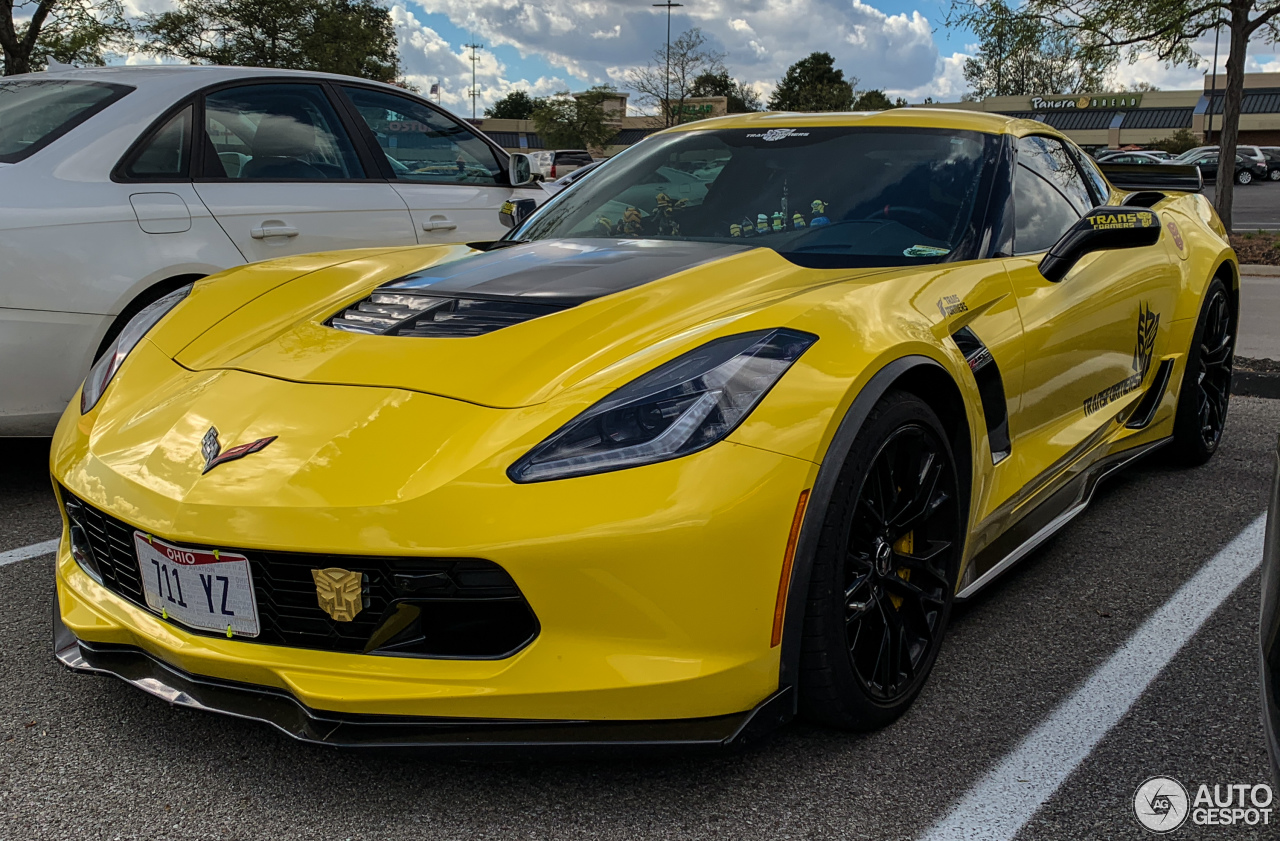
(1060, 508)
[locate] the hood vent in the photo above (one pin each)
(390, 312)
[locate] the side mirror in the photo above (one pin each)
(1101, 229)
(519, 169)
(515, 211)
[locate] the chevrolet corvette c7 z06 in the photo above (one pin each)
(675, 459)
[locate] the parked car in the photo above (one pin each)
(664, 479)
(122, 184)
(1272, 156)
(1252, 153)
(565, 180)
(553, 165)
(1129, 158)
(1247, 170)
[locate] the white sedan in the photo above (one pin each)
(119, 185)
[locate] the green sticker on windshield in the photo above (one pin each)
(925, 251)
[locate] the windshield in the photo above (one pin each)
(821, 197)
(34, 114)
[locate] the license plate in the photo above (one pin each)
(208, 590)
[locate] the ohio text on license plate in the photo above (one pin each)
(198, 588)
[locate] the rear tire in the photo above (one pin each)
(1244, 176)
(884, 574)
(1205, 394)
(1273, 174)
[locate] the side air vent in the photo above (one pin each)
(397, 313)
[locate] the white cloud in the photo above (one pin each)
(760, 37)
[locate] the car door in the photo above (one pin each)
(453, 181)
(282, 175)
(1091, 339)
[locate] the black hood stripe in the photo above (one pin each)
(564, 272)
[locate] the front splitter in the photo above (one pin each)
(468, 736)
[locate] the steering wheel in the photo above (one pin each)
(934, 225)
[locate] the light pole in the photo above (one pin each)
(474, 59)
(666, 103)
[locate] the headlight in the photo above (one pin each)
(678, 408)
(105, 368)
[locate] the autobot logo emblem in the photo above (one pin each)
(339, 592)
(1160, 804)
(211, 449)
(1148, 323)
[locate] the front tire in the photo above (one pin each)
(884, 575)
(1273, 174)
(1205, 394)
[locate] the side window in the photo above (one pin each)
(1042, 213)
(1050, 159)
(277, 133)
(425, 146)
(165, 156)
(1101, 189)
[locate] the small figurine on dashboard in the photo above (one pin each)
(748, 228)
(735, 230)
(819, 216)
(665, 213)
(632, 222)
(762, 223)
(779, 222)
(797, 221)
(603, 227)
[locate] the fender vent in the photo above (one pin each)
(399, 313)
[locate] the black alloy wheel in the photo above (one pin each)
(885, 577)
(1206, 384)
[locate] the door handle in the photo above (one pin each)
(439, 223)
(264, 231)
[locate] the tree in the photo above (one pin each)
(1180, 141)
(352, 37)
(876, 100)
(517, 105)
(1168, 29)
(69, 31)
(1020, 54)
(742, 97)
(813, 84)
(1142, 87)
(575, 122)
(665, 90)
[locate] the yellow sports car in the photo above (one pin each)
(685, 454)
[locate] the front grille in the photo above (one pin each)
(426, 607)
(394, 312)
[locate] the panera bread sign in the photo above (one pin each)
(1117, 100)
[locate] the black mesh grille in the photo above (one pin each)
(431, 607)
(394, 312)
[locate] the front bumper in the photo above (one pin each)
(284, 712)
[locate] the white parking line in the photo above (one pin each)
(33, 551)
(1006, 798)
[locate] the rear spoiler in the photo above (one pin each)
(1174, 177)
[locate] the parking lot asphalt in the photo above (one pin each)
(1255, 207)
(86, 757)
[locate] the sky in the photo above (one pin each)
(542, 46)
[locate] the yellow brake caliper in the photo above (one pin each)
(905, 545)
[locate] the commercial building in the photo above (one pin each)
(1121, 118)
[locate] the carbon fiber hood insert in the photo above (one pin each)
(484, 292)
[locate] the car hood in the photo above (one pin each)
(599, 301)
